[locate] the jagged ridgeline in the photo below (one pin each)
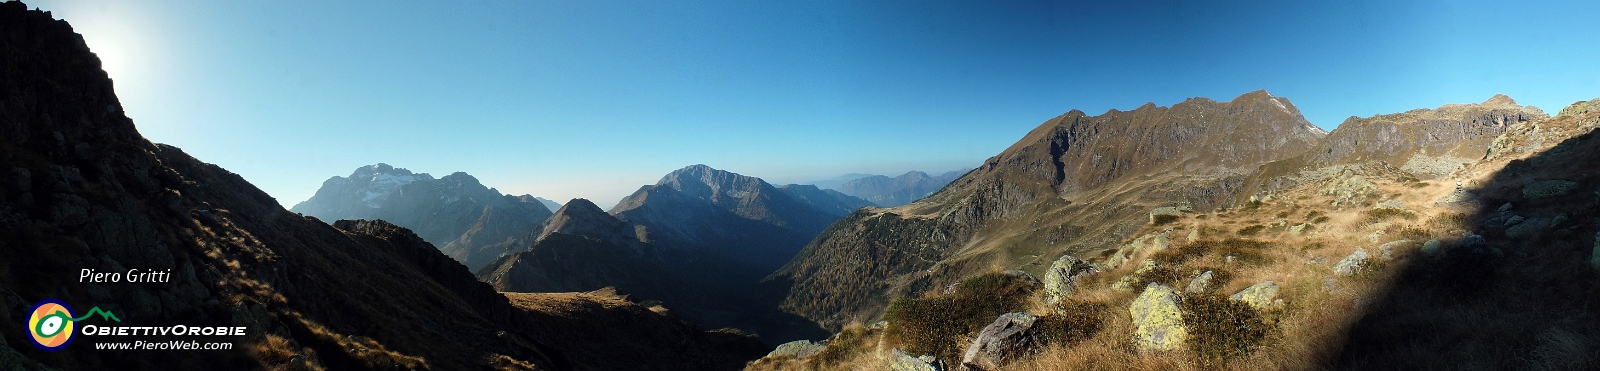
(456, 213)
(83, 190)
(1076, 183)
(698, 240)
(1229, 236)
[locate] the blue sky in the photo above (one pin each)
(592, 99)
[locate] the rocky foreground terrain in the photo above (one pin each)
(1462, 237)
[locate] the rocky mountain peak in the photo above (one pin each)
(1500, 100)
(582, 217)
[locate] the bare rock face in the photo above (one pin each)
(1428, 143)
(1158, 317)
(1005, 340)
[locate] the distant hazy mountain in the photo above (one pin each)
(455, 212)
(890, 192)
(552, 205)
(828, 200)
(835, 182)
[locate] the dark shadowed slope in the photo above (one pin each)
(85, 191)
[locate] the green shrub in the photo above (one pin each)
(1222, 329)
(932, 325)
(1165, 219)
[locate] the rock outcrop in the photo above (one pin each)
(1061, 279)
(1260, 296)
(1200, 283)
(1352, 263)
(1011, 336)
(900, 361)
(1158, 319)
(797, 348)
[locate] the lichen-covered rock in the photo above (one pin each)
(1527, 228)
(797, 348)
(1200, 283)
(1153, 241)
(1061, 279)
(1390, 204)
(900, 361)
(1259, 296)
(1351, 264)
(1548, 188)
(1126, 282)
(1504, 208)
(1158, 319)
(1472, 239)
(1299, 229)
(1005, 340)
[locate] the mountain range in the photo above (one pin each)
(890, 192)
(455, 212)
(85, 191)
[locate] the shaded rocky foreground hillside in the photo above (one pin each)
(1351, 264)
(83, 190)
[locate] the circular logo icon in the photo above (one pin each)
(50, 325)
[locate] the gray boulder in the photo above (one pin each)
(1527, 228)
(900, 361)
(1351, 264)
(797, 348)
(1062, 278)
(1200, 283)
(1260, 296)
(1158, 319)
(1005, 340)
